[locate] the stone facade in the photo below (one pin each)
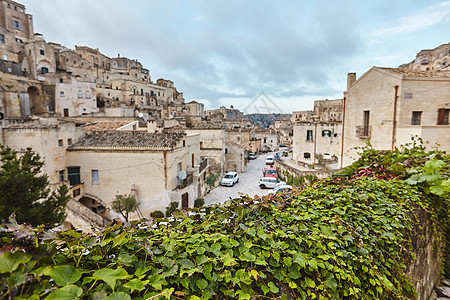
(437, 59)
(387, 107)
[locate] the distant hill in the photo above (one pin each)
(265, 120)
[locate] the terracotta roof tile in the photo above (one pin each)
(417, 73)
(102, 126)
(132, 139)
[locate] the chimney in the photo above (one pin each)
(151, 126)
(351, 78)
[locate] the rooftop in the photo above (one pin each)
(133, 139)
(417, 73)
(105, 126)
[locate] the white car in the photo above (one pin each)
(269, 160)
(270, 182)
(230, 179)
(281, 189)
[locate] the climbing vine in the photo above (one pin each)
(342, 238)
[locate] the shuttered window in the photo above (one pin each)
(443, 116)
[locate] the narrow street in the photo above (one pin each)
(247, 185)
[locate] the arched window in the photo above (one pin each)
(307, 155)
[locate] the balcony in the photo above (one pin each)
(363, 132)
(203, 165)
(182, 183)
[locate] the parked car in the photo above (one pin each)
(270, 172)
(270, 182)
(281, 189)
(229, 179)
(269, 160)
(251, 156)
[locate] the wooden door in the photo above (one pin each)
(185, 201)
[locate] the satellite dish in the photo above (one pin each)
(140, 115)
(182, 174)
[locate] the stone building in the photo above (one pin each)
(158, 168)
(387, 107)
(317, 134)
(435, 60)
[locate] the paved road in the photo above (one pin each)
(247, 185)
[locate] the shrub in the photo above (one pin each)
(157, 214)
(173, 206)
(199, 202)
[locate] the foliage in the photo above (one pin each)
(157, 214)
(427, 170)
(173, 206)
(124, 204)
(25, 191)
(295, 180)
(333, 239)
(199, 202)
(211, 179)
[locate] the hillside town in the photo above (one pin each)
(80, 110)
(105, 128)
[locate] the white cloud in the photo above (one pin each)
(427, 17)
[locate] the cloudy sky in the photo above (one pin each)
(228, 52)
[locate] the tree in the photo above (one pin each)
(25, 191)
(124, 204)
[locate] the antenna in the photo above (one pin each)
(182, 175)
(140, 115)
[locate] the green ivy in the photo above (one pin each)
(331, 239)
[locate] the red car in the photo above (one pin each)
(270, 172)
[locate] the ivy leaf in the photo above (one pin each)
(64, 275)
(273, 288)
(157, 281)
(228, 261)
(68, 292)
(118, 296)
(10, 261)
(128, 260)
(253, 273)
(110, 276)
(186, 263)
(247, 256)
(265, 289)
(330, 282)
(135, 284)
(202, 284)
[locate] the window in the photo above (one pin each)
(443, 116)
(44, 70)
(88, 95)
(142, 91)
(92, 58)
(265, 140)
(17, 25)
(121, 65)
(366, 122)
(226, 151)
(42, 52)
(69, 142)
(326, 133)
(61, 93)
(80, 94)
(307, 155)
(19, 41)
(74, 175)
(61, 80)
(309, 135)
(61, 176)
(184, 142)
(193, 159)
(60, 143)
(2, 38)
(416, 115)
(66, 112)
(95, 179)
